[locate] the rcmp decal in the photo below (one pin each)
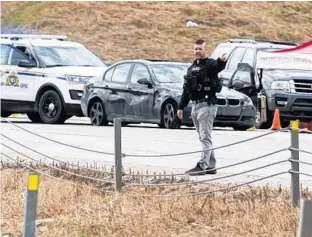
(13, 80)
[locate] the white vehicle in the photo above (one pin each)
(44, 75)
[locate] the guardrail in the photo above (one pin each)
(117, 173)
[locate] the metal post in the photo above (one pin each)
(30, 207)
(295, 182)
(305, 227)
(118, 164)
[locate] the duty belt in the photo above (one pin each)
(200, 101)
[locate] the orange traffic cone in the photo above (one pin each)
(276, 125)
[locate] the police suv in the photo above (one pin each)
(44, 75)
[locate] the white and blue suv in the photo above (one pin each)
(44, 75)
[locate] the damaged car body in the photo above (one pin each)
(143, 91)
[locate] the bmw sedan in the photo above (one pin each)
(143, 91)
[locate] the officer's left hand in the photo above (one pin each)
(223, 57)
(180, 114)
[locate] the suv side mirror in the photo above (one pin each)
(244, 65)
(26, 63)
(145, 81)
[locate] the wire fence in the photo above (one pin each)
(148, 156)
(49, 175)
(117, 180)
(119, 185)
(45, 155)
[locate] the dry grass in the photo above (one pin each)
(122, 30)
(82, 212)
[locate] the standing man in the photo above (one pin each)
(200, 86)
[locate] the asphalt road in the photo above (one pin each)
(148, 139)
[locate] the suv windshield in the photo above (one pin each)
(169, 73)
(67, 56)
(221, 49)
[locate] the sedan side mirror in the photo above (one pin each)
(26, 63)
(145, 81)
(237, 84)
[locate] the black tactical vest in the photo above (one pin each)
(197, 80)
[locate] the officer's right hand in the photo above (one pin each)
(223, 57)
(180, 114)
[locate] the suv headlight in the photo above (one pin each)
(280, 85)
(78, 79)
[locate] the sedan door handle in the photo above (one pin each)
(129, 88)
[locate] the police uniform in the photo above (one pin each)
(201, 84)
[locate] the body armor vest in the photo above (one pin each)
(197, 80)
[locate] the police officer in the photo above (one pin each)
(200, 87)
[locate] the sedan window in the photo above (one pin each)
(121, 72)
(108, 74)
(139, 72)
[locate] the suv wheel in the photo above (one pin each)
(51, 108)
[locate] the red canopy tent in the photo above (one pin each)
(305, 48)
(299, 57)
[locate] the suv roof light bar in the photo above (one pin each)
(279, 42)
(254, 41)
(30, 36)
(242, 41)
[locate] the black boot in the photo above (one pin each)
(197, 170)
(211, 171)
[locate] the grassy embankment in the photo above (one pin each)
(117, 31)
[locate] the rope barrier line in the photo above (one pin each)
(223, 167)
(56, 168)
(296, 172)
(50, 176)
(208, 180)
(171, 175)
(216, 148)
(136, 155)
(61, 143)
(301, 162)
(49, 157)
(146, 175)
(211, 191)
(295, 149)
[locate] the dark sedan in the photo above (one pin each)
(142, 91)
